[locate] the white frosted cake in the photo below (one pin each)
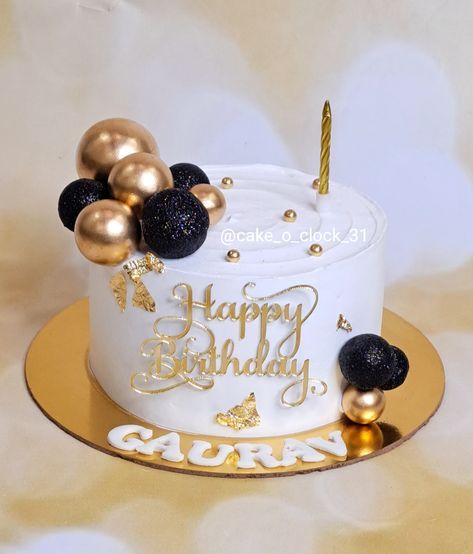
(272, 324)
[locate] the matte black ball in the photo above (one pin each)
(174, 223)
(76, 196)
(401, 368)
(187, 175)
(366, 361)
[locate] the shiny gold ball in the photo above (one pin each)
(315, 250)
(227, 183)
(213, 200)
(362, 440)
(363, 406)
(135, 178)
(233, 256)
(290, 216)
(107, 232)
(108, 141)
(315, 184)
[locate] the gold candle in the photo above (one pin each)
(325, 148)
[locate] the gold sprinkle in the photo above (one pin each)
(343, 323)
(315, 250)
(233, 256)
(227, 183)
(142, 297)
(315, 184)
(242, 415)
(290, 216)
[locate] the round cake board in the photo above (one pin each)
(60, 383)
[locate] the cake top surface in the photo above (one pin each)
(343, 222)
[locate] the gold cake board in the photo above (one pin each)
(59, 381)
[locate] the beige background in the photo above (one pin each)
(242, 81)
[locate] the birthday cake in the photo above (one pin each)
(230, 301)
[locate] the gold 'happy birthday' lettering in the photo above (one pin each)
(197, 367)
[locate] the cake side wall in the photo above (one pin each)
(353, 287)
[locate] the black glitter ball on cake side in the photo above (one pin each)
(76, 196)
(401, 369)
(186, 175)
(174, 223)
(366, 361)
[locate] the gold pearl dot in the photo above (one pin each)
(290, 216)
(315, 184)
(315, 250)
(233, 256)
(227, 183)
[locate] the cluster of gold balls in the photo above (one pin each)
(124, 154)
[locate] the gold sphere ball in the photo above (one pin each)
(363, 406)
(213, 200)
(362, 440)
(315, 250)
(136, 177)
(315, 184)
(233, 256)
(107, 232)
(290, 216)
(227, 183)
(108, 141)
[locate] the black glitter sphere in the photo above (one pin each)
(76, 196)
(401, 368)
(174, 223)
(366, 361)
(187, 175)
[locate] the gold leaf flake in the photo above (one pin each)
(344, 324)
(118, 286)
(135, 269)
(142, 298)
(242, 415)
(154, 263)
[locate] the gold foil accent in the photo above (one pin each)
(242, 415)
(325, 148)
(118, 285)
(142, 298)
(134, 270)
(343, 323)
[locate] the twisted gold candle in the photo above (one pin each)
(325, 148)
